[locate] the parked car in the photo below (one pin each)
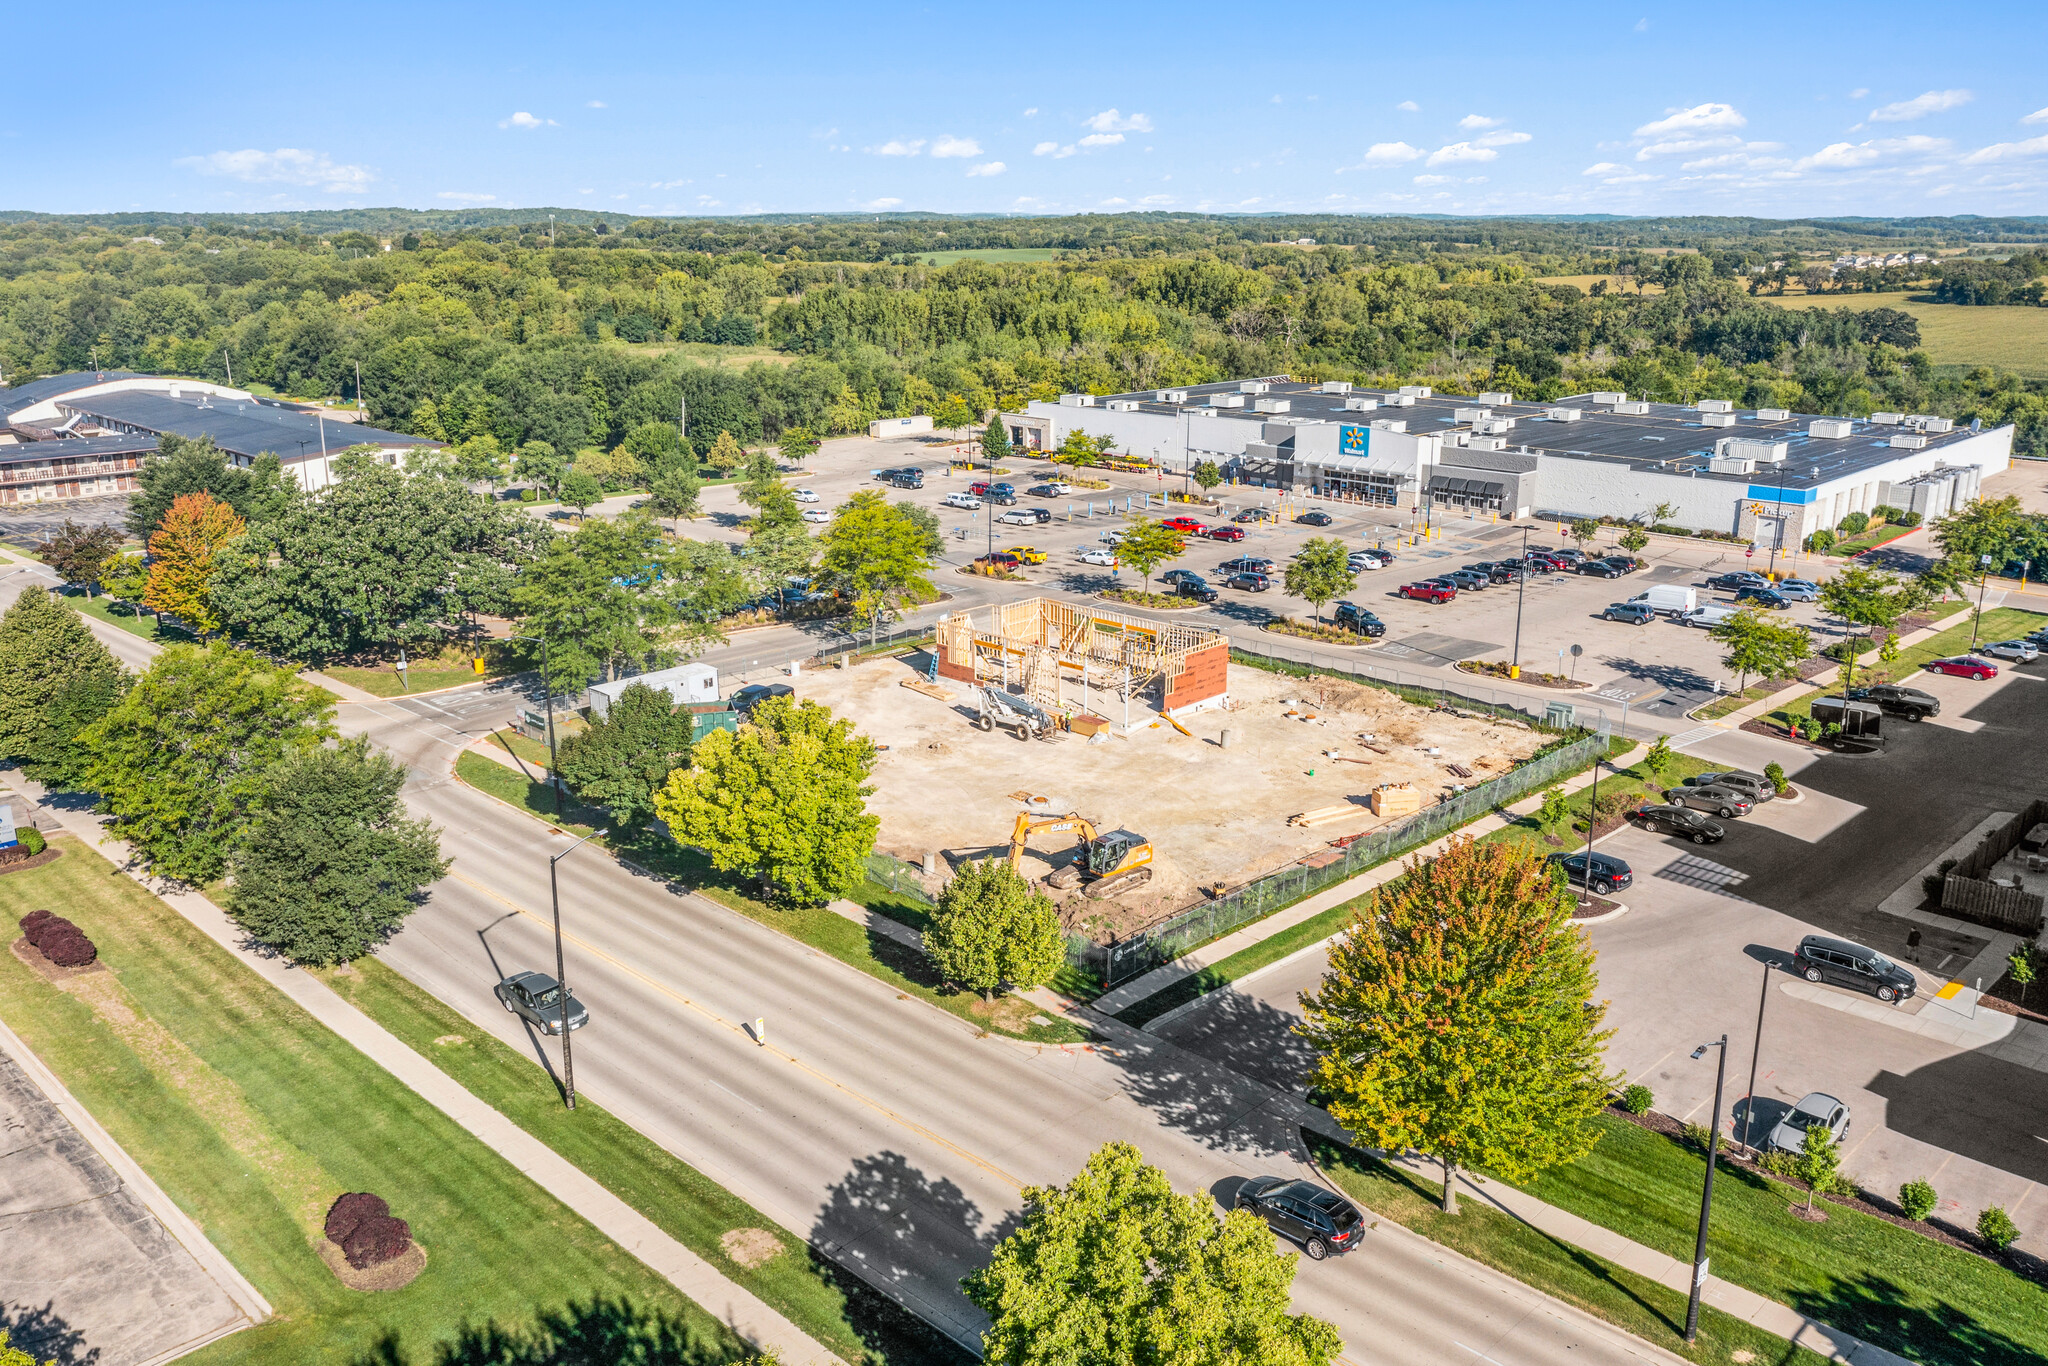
(979, 488)
(1367, 559)
(1186, 524)
(754, 694)
(1725, 802)
(1250, 515)
(1352, 617)
(1546, 560)
(1101, 557)
(2018, 651)
(890, 476)
(1225, 532)
(1246, 564)
(815, 515)
(1815, 1110)
(1681, 821)
(1113, 535)
(1759, 788)
(1250, 583)
(805, 495)
(1570, 554)
(908, 479)
(1025, 516)
(1964, 666)
(1317, 1218)
(1763, 597)
(1059, 486)
(1706, 616)
(1428, 591)
(1002, 499)
(1194, 588)
(1738, 579)
(1601, 569)
(1178, 576)
(1001, 559)
(1030, 554)
(1315, 518)
(1470, 579)
(536, 998)
(1507, 571)
(1044, 491)
(965, 501)
(1911, 703)
(1627, 564)
(1798, 590)
(1634, 613)
(1609, 874)
(1820, 958)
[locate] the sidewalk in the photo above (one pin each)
(1194, 961)
(692, 1275)
(1734, 719)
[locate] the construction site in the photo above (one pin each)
(1221, 773)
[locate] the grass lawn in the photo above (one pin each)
(1870, 540)
(1643, 1307)
(1632, 786)
(830, 1304)
(502, 659)
(522, 746)
(1721, 706)
(1887, 1285)
(904, 968)
(2010, 336)
(128, 618)
(254, 1117)
(2000, 623)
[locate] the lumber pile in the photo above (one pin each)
(929, 689)
(1395, 799)
(1323, 815)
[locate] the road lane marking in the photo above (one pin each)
(1475, 1352)
(739, 1029)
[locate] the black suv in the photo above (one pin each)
(1355, 618)
(1179, 576)
(1763, 597)
(1739, 579)
(1196, 589)
(1601, 569)
(1821, 959)
(1321, 1220)
(1910, 703)
(1609, 874)
(908, 479)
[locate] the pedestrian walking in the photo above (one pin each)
(1913, 945)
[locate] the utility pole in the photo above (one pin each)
(1756, 1050)
(1699, 1247)
(561, 972)
(359, 391)
(230, 360)
(1983, 578)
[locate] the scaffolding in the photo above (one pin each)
(1037, 646)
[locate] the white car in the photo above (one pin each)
(807, 495)
(961, 500)
(1019, 517)
(1059, 486)
(1366, 560)
(816, 515)
(1101, 557)
(1114, 535)
(2018, 651)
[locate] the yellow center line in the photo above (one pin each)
(735, 1027)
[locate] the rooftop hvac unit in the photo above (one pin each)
(1715, 405)
(1336, 386)
(1636, 409)
(1494, 426)
(1930, 424)
(1388, 424)
(1717, 419)
(1360, 405)
(1253, 386)
(1746, 448)
(1418, 391)
(1077, 400)
(1122, 405)
(1773, 414)
(1472, 414)
(1830, 428)
(1564, 414)
(1271, 405)
(1497, 399)
(1887, 419)
(1171, 395)
(1487, 443)
(1909, 441)
(1609, 398)
(1226, 400)
(1731, 464)
(1404, 399)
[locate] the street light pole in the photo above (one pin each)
(561, 972)
(547, 691)
(1756, 1050)
(1699, 1247)
(1983, 579)
(1521, 593)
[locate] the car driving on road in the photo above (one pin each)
(535, 998)
(1815, 1110)
(1302, 1212)
(1680, 821)
(1609, 874)
(1820, 958)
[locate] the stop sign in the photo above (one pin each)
(1750, 553)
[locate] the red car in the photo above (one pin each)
(979, 488)
(1428, 591)
(1187, 524)
(1225, 533)
(1964, 666)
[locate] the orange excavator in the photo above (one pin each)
(1108, 863)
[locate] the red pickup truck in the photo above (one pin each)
(1429, 591)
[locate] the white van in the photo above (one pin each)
(1706, 616)
(1669, 599)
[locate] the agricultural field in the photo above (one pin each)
(2010, 338)
(998, 254)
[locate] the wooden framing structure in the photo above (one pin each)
(1036, 645)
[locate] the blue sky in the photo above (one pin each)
(1485, 108)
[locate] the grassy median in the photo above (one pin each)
(2000, 623)
(254, 1117)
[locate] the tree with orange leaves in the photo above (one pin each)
(1458, 1017)
(182, 555)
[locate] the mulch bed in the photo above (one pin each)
(1864, 1202)
(1296, 631)
(1778, 732)
(33, 957)
(1590, 906)
(51, 853)
(2004, 996)
(395, 1274)
(1535, 679)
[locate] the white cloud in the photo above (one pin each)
(881, 204)
(2038, 116)
(522, 119)
(1157, 200)
(1859, 92)
(1842, 156)
(2008, 151)
(1110, 121)
(1500, 139)
(1603, 168)
(1114, 202)
(1635, 179)
(1920, 106)
(1409, 107)
(1102, 139)
(1434, 179)
(1031, 111)
(1053, 150)
(285, 166)
(1643, 25)
(1700, 118)
(988, 168)
(1612, 174)
(1685, 147)
(461, 197)
(1479, 121)
(597, 104)
(897, 147)
(1390, 153)
(950, 146)
(1460, 151)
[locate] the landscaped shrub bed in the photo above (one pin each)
(1308, 630)
(360, 1224)
(58, 940)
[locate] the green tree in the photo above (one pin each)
(1555, 809)
(726, 454)
(539, 464)
(329, 865)
(594, 596)
(1116, 1268)
(1147, 545)
(657, 445)
(1584, 529)
(783, 801)
(181, 465)
(1660, 758)
(55, 680)
(762, 489)
(995, 442)
(185, 756)
(1759, 645)
(777, 554)
(1984, 526)
(1818, 1163)
(879, 555)
(1822, 541)
(479, 460)
(1634, 540)
(991, 927)
(798, 444)
(2019, 968)
(1320, 571)
(952, 413)
(701, 581)
(125, 576)
(1460, 1016)
(1207, 475)
(625, 756)
(77, 553)
(597, 409)
(1869, 598)
(580, 490)
(676, 493)
(14, 1356)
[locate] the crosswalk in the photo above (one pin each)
(1693, 736)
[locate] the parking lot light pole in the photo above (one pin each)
(547, 691)
(561, 974)
(1749, 1101)
(1521, 593)
(1983, 578)
(1699, 1247)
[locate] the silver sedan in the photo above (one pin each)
(1818, 1110)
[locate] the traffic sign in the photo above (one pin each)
(1750, 553)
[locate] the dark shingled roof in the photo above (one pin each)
(87, 448)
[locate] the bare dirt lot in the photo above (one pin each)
(1214, 815)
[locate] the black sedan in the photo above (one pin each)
(1738, 580)
(1601, 569)
(536, 998)
(1763, 597)
(1680, 821)
(1321, 1220)
(1315, 519)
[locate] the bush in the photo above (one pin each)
(32, 840)
(1934, 881)
(1699, 1135)
(361, 1225)
(33, 921)
(1996, 1227)
(1853, 524)
(1775, 772)
(1917, 1199)
(1885, 512)
(68, 948)
(1779, 1164)
(1907, 519)
(350, 1210)
(1637, 1099)
(1821, 542)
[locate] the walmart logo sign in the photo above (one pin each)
(1353, 440)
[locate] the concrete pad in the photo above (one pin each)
(1812, 818)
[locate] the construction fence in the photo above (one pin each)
(1466, 692)
(899, 877)
(1121, 960)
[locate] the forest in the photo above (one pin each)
(488, 327)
